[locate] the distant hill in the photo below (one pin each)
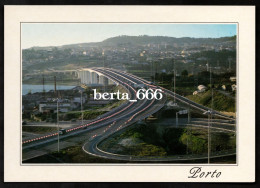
(143, 40)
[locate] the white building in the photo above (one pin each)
(233, 78)
(234, 87)
(47, 107)
(202, 88)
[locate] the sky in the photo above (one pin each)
(56, 34)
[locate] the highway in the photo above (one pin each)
(175, 95)
(91, 147)
(126, 113)
(123, 116)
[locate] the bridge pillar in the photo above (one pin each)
(93, 78)
(101, 80)
(80, 75)
(88, 80)
(88, 77)
(110, 82)
(105, 81)
(83, 77)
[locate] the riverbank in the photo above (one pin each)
(31, 88)
(37, 82)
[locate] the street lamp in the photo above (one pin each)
(103, 55)
(209, 113)
(174, 82)
(81, 107)
(58, 126)
(177, 119)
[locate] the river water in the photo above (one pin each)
(38, 88)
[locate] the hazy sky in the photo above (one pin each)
(56, 34)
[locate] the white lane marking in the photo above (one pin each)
(133, 100)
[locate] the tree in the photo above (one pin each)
(88, 92)
(184, 73)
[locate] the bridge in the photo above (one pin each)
(91, 76)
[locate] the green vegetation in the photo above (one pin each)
(73, 154)
(220, 101)
(113, 105)
(144, 140)
(92, 114)
(138, 142)
(190, 80)
(144, 149)
(144, 39)
(196, 143)
(89, 114)
(52, 117)
(38, 129)
(219, 58)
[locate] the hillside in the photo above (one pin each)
(191, 54)
(145, 39)
(142, 40)
(220, 101)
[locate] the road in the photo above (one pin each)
(109, 123)
(124, 114)
(91, 146)
(175, 95)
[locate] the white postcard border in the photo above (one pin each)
(243, 172)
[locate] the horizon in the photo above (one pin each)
(127, 36)
(51, 35)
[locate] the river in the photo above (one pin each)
(26, 88)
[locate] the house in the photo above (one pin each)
(202, 88)
(52, 106)
(233, 78)
(234, 87)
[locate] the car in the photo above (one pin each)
(24, 123)
(62, 132)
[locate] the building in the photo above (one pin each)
(202, 88)
(52, 107)
(233, 78)
(234, 87)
